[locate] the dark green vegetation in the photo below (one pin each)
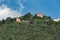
(34, 28)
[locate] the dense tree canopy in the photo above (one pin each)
(36, 29)
(28, 16)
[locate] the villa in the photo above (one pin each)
(18, 19)
(40, 15)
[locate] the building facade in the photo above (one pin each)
(40, 15)
(18, 19)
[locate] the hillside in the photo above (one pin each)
(32, 28)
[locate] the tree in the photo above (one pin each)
(47, 17)
(9, 20)
(10, 38)
(3, 21)
(0, 22)
(14, 19)
(28, 16)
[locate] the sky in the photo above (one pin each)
(16, 8)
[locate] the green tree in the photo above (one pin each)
(0, 22)
(3, 21)
(9, 20)
(28, 16)
(47, 17)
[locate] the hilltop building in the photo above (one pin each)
(18, 19)
(40, 15)
(56, 19)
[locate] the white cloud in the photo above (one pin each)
(21, 5)
(5, 12)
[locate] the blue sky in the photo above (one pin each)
(47, 7)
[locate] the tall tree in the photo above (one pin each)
(28, 16)
(9, 20)
(3, 21)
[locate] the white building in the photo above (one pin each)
(56, 19)
(18, 19)
(40, 15)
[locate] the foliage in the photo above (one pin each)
(28, 16)
(36, 29)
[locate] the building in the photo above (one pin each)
(18, 19)
(56, 19)
(40, 15)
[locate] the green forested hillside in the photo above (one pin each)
(34, 28)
